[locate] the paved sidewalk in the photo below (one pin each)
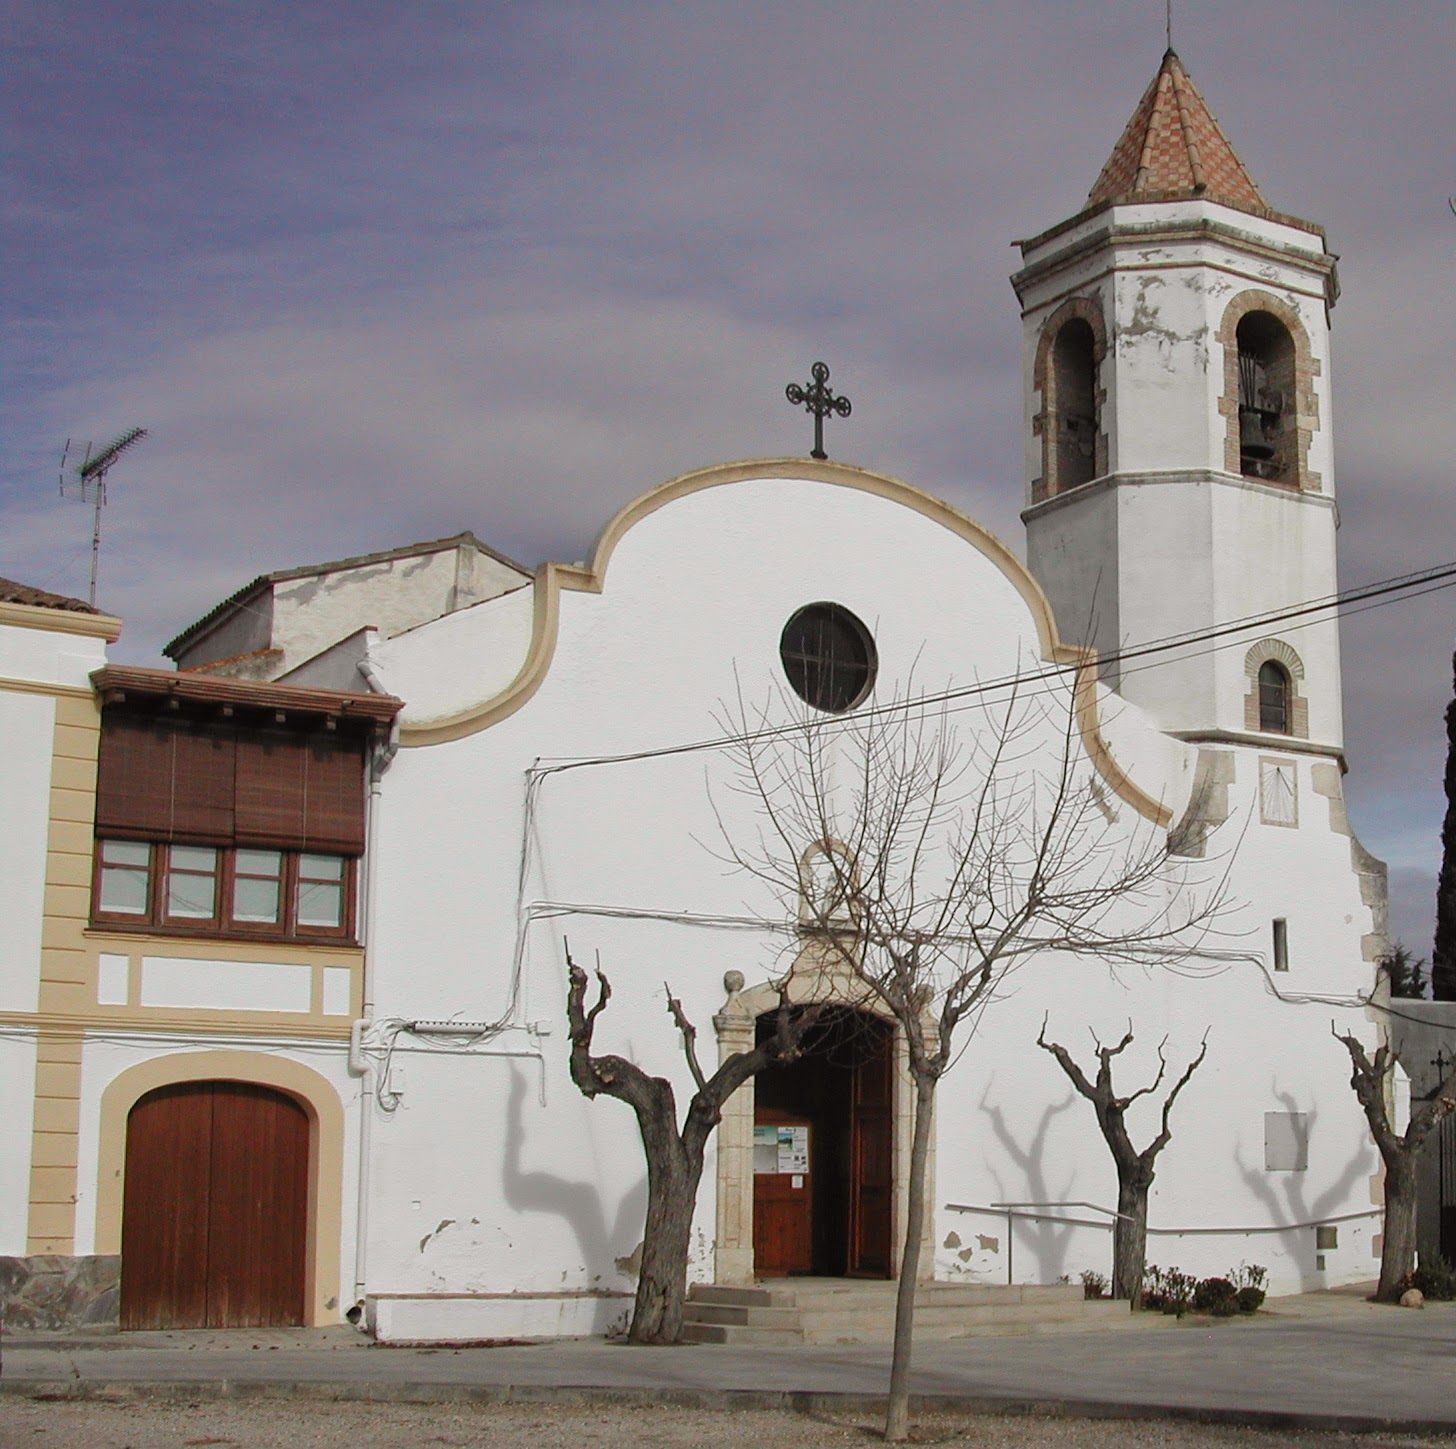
(1322, 1360)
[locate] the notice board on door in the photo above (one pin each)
(781, 1148)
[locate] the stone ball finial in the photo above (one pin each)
(733, 982)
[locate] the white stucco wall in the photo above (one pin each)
(17, 1082)
(34, 657)
(494, 1180)
(303, 617)
(27, 728)
(311, 613)
(469, 655)
(40, 658)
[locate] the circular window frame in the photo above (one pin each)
(822, 698)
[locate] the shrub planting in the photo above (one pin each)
(1170, 1290)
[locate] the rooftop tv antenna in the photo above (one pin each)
(88, 478)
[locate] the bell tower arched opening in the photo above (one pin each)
(1266, 398)
(1066, 372)
(1075, 368)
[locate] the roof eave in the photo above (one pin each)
(1152, 198)
(117, 682)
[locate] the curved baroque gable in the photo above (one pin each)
(552, 578)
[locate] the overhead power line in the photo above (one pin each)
(1368, 596)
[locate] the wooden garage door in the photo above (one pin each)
(214, 1230)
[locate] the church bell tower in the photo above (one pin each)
(1178, 456)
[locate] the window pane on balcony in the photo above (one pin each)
(255, 899)
(124, 890)
(192, 882)
(320, 903)
(321, 867)
(260, 862)
(126, 852)
(194, 857)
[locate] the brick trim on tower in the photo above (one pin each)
(1293, 665)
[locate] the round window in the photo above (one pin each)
(828, 656)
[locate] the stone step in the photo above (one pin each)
(835, 1323)
(837, 1312)
(1004, 1326)
(736, 1333)
(746, 1314)
(869, 1297)
(727, 1295)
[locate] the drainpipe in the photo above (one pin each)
(380, 758)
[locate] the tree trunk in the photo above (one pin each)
(1130, 1240)
(1398, 1244)
(897, 1410)
(672, 1191)
(1443, 957)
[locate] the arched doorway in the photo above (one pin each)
(823, 1153)
(214, 1230)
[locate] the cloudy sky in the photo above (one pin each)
(377, 272)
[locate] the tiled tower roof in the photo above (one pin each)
(1173, 147)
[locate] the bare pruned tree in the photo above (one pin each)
(932, 853)
(1400, 1151)
(1135, 1170)
(674, 1152)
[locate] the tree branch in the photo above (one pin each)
(1068, 1063)
(612, 1076)
(689, 1037)
(1368, 1080)
(1166, 1134)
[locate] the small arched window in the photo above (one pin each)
(1274, 694)
(1266, 398)
(1074, 367)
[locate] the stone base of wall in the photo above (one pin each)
(49, 1292)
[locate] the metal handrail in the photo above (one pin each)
(1012, 1210)
(1090, 1206)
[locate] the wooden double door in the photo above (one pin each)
(835, 1218)
(214, 1230)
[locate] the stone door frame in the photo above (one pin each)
(735, 1025)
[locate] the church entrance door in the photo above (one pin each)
(824, 1152)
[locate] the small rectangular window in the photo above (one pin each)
(258, 886)
(321, 891)
(1286, 1141)
(1281, 944)
(125, 874)
(192, 882)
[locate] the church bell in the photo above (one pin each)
(1258, 410)
(1252, 441)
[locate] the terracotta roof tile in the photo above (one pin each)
(14, 593)
(1173, 147)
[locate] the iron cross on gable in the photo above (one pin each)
(817, 399)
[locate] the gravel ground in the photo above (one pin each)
(272, 1424)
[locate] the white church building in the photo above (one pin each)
(298, 920)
